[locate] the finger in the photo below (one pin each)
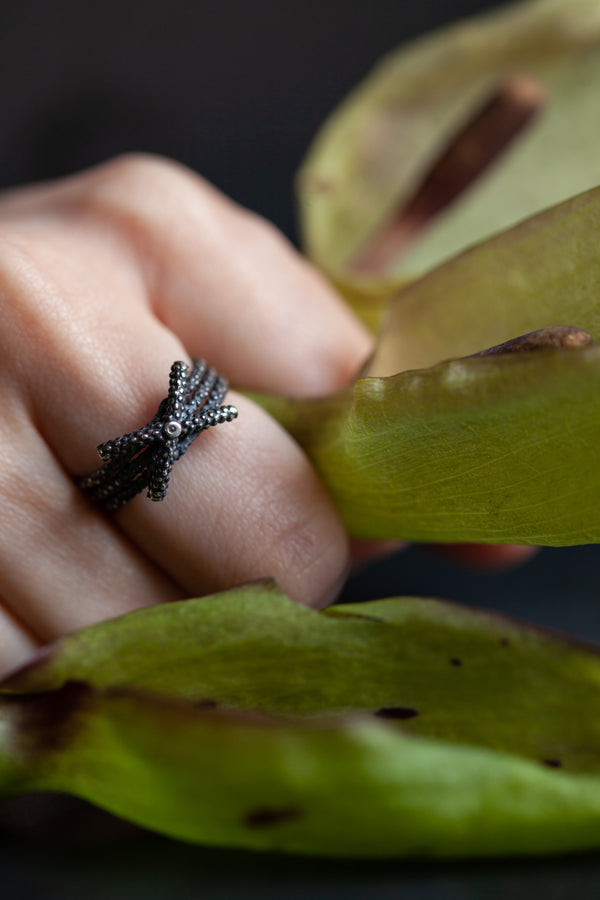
(492, 557)
(17, 642)
(62, 566)
(244, 504)
(223, 279)
(364, 551)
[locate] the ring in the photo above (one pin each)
(143, 459)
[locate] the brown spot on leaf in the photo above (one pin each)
(562, 337)
(268, 816)
(552, 763)
(397, 712)
(455, 661)
(48, 721)
(468, 155)
(205, 703)
(504, 642)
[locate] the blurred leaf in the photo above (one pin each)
(329, 782)
(375, 152)
(369, 300)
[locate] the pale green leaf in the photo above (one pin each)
(377, 149)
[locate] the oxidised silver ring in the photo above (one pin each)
(143, 459)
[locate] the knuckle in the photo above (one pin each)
(23, 292)
(305, 540)
(139, 179)
(26, 495)
(40, 320)
(130, 168)
(265, 236)
(142, 198)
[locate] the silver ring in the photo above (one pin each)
(143, 459)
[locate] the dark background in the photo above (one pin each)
(236, 90)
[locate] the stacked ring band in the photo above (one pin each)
(143, 459)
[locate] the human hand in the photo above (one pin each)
(107, 278)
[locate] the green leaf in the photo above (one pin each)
(498, 449)
(253, 649)
(485, 712)
(353, 789)
(376, 151)
(543, 272)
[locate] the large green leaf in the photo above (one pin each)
(498, 449)
(500, 759)
(376, 150)
(459, 673)
(355, 788)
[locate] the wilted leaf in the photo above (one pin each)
(375, 153)
(506, 717)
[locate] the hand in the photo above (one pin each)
(106, 279)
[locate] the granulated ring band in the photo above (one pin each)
(143, 459)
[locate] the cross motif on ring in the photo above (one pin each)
(143, 459)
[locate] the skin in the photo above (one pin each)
(106, 278)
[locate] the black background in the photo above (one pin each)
(236, 90)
